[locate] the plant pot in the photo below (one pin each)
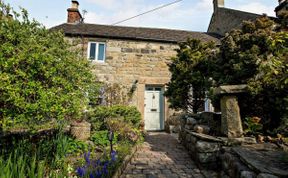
(81, 130)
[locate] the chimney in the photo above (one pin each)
(74, 16)
(217, 4)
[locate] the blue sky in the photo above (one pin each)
(193, 15)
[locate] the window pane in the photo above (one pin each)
(92, 54)
(101, 51)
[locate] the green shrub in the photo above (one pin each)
(99, 115)
(41, 78)
(100, 138)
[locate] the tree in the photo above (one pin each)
(257, 55)
(41, 78)
(189, 81)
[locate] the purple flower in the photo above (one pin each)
(113, 156)
(98, 173)
(91, 175)
(87, 157)
(81, 171)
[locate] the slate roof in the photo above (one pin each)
(133, 33)
(283, 4)
(224, 20)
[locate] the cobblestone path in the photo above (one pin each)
(161, 156)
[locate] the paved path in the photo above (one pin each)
(161, 156)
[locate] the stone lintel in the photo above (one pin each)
(230, 89)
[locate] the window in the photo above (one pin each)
(96, 51)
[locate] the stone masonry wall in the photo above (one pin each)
(127, 61)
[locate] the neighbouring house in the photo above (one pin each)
(131, 56)
(223, 19)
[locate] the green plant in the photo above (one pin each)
(253, 125)
(76, 146)
(41, 78)
(129, 113)
(101, 138)
(124, 129)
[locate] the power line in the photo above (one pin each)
(157, 8)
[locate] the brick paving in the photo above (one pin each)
(161, 156)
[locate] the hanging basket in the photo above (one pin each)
(81, 130)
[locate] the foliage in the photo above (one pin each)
(117, 94)
(253, 125)
(189, 81)
(257, 55)
(28, 158)
(101, 113)
(97, 168)
(76, 146)
(101, 138)
(40, 78)
(125, 130)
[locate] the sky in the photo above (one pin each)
(192, 15)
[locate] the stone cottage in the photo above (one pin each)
(224, 19)
(131, 56)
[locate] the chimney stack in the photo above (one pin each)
(217, 4)
(74, 16)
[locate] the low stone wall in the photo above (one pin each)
(232, 157)
(204, 149)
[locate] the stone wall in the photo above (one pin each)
(129, 61)
(231, 157)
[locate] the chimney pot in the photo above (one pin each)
(74, 16)
(75, 4)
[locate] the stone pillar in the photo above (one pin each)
(231, 124)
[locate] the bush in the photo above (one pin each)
(41, 78)
(100, 114)
(100, 138)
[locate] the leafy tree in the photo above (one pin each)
(257, 55)
(41, 78)
(189, 80)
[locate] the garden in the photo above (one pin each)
(46, 89)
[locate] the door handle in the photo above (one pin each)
(153, 110)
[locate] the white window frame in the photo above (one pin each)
(96, 54)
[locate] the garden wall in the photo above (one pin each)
(235, 157)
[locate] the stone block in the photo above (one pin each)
(188, 137)
(189, 127)
(247, 174)
(231, 124)
(206, 157)
(206, 147)
(193, 139)
(229, 89)
(203, 129)
(191, 121)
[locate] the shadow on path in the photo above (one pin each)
(161, 156)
